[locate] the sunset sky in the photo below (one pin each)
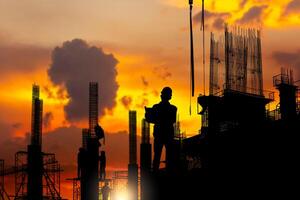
(133, 48)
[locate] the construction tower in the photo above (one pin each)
(132, 166)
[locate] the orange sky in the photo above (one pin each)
(148, 38)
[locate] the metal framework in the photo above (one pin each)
(20, 171)
(119, 183)
(75, 187)
(236, 62)
(34, 170)
(36, 118)
(51, 182)
(93, 107)
(51, 176)
(3, 193)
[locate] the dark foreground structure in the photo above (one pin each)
(244, 145)
(37, 174)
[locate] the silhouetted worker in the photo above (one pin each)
(102, 159)
(105, 191)
(81, 162)
(163, 115)
(99, 132)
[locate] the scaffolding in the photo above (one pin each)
(119, 184)
(288, 94)
(236, 62)
(3, 193)
(51, 182)
(75, 187)
(20, 171)
(51, 176)
(37, 174)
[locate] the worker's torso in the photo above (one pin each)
(165, 117)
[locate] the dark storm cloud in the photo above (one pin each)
(213, 20)
(73, 66)
(293, 7)
(254, 14)
(289, 60)
(126, 101)
(22, 58)
(47, 119)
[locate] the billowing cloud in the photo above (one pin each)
(73, 66)
(288, 60)
(253, 15)
(293, 7)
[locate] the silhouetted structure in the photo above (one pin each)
(105, 191)
(236, 62)
(145, 161)
(93, 107)
(132, 166)
(242, 141)
(35, 157)
(3, 193)
(102, 165)
(37, 174)
(88, 156)
(288, 94)
(163, 115)
(85, 137)
(89, 173)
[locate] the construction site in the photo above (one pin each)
(36, 173)
(241, 136)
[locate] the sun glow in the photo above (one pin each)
(121, 195)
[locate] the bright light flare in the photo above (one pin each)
(122, 195)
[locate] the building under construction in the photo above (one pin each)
(240, 138)
(91, 165)
(88, 156)
(37, 174)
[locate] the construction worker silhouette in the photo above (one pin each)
(105, 191)
(102, 159)
(163, 115)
